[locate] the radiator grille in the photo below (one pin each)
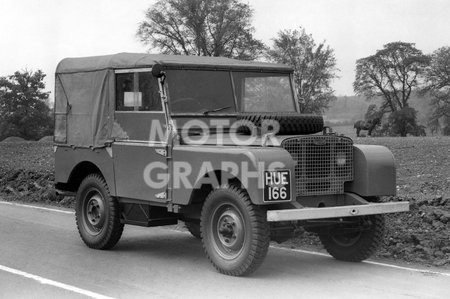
(324, 163)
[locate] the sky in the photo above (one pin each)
(37, 34)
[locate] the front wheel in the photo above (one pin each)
(97, 214)
(356, 241)
(235, 232)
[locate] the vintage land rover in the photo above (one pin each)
(217, 143)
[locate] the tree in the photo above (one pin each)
(23, 106)
(372, 112)
(437, 78)
(392, 74)
(202, 28)
(314, 68)
(402, 122)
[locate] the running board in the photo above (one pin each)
(334, 212)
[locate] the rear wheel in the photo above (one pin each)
(235, 233)
(356, 241)
(97, 214)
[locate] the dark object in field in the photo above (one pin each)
(368, 125)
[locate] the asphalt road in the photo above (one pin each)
(42, 256)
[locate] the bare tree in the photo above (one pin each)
(201, 27)
(314, 68)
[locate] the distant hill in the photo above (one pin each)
(348, 109)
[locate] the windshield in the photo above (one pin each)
(193, 91)
(209, 92)
(263, 92)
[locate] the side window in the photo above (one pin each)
(137, 92)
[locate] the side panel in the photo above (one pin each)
(67, 158)
(192, 163)
(140, 171)
(374, 171)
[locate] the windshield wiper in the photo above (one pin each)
(216, 110)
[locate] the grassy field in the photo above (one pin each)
(423, 163)
(423, 178)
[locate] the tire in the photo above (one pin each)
(291, 123)
(97, 214)
(238, 247)
(193, 228)
(358, 245)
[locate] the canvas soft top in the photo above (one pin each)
(85, 90)
(134, 60)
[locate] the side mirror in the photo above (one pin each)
(157, 71)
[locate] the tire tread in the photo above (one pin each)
(369, 243)
(291, 123)
(114, 227)
(260, 242)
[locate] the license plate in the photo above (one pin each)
(277, 185)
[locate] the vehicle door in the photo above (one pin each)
(140, 127)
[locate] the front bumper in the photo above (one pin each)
(335, 212)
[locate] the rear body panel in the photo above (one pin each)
(67, 159)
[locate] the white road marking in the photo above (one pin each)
(424, 271)
(37, 207)
(60, 285)
(277, 247)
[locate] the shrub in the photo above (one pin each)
(403, 122)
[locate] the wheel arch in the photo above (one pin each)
(374, 171)
(82, 170)
(203, 187)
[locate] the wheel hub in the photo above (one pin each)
(95, 211)
(350, 235)
(230, 232)
(346, 240)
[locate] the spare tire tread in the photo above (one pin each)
(291, 123)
